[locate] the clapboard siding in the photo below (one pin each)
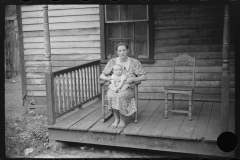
(63, 51)
(62, 12)
(74, 40)
(70, 57)
(74, 32)
(94, 44)
(79, 38)
(62, 19)
(196, 30)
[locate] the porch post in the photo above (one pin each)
(47, 46)
(48, 74)
(225, 71)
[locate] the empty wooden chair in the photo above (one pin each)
(182, 63)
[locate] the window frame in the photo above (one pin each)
(150, 37)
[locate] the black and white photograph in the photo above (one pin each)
(120, 80)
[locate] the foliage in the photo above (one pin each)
(25, 131)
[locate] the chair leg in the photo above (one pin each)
(103, 105)
(190, 108)
(166, 106)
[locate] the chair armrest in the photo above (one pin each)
(137, 82)
(102, 82)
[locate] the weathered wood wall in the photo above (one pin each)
(74, 37)
(11, 42)
(198, 31)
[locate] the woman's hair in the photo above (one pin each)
(121, 44)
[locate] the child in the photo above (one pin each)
(118, 79)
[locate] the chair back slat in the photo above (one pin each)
(183, 66)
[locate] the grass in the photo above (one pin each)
(25, 131)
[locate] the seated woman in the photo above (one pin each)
(123, 103)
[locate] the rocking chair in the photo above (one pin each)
(187, 61)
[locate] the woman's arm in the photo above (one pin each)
(104, 77)
(135, 79)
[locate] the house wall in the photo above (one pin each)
(198, 31)
(74, 37)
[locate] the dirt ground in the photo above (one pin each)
(14, 104)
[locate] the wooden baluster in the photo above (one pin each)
(67, 87)
(84, 84)
(55, 95)
(75, 87)
(63, 93)
(90, 81)
(87, 80)
(71, 84)
(59, 95)
(93, 81)
(96, 78)
(78, 82)
(81, 84)
(98, 74)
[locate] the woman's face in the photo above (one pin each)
(122, 51)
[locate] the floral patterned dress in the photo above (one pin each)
(124, 101)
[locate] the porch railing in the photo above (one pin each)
(70, 88)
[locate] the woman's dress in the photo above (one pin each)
(124, 101)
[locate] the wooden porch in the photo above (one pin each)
(152, 131)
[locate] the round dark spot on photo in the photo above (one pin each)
(85, 0)
(227, 141)
(114, 0)
(144, 0)
(25, 1)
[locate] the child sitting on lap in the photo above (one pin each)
(118, 79)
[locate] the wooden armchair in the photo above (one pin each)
(181, 63)
(105, 102)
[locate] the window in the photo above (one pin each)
(131, 24)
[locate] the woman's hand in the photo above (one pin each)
(135, 79)
(130, 80)
(106, 78)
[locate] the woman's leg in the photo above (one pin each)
(116, 116)
(122, 121)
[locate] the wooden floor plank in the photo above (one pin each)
(202, 122)
(153, 121)
(100, 126)
(163, 123)
(232, 117)
(77, 116)
(214, 125)
(187, 127)
(133, 128)
(88, 121)
(141, 106)
(176, 122)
